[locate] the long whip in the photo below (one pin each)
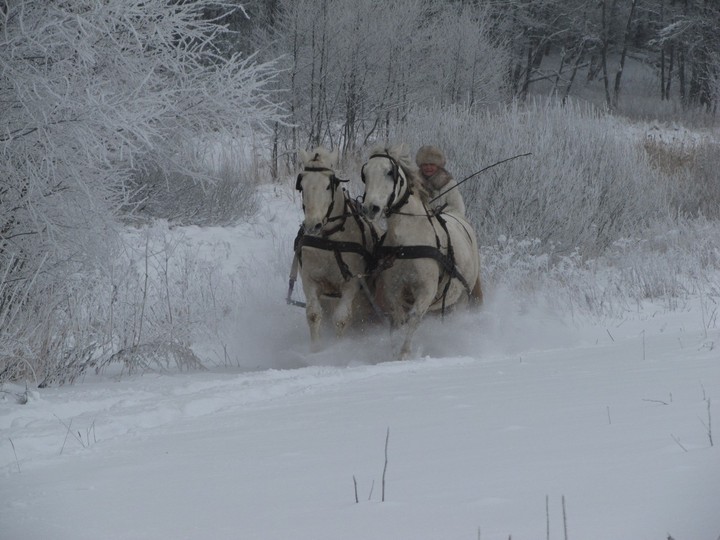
(480, 171)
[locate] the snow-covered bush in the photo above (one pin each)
(179, 198)
(593, 221)
(92, 91)
(586, 184)
(164, 298)
(694, 170)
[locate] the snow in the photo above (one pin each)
(500, 413)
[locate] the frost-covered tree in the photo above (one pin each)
(354, 68)
(90, 91)
(686, 34)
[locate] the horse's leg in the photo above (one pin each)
(313, 313)
(413, 321)
(343, 310)
(423, 298)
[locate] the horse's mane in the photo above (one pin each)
(401, 155)
(320, 157)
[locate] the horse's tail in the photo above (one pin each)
(476, 295)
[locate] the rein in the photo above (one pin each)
(476, 173)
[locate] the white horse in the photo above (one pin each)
(428, 260)
(334, 247)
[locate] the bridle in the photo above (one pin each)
(401, 191)
(332, 186)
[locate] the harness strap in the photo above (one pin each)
(390, 253)
(342, 265)
(352, 208)
(385, 257)
(292, 280)
(319, 242)
(451, 256)
(294, 270)
(338, 247)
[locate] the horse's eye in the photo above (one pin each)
(389, 173)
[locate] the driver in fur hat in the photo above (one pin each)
(431, 162)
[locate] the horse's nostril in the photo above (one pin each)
(313, 228)
(374, 209)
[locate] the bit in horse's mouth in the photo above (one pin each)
(371, 212)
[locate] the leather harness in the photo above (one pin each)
(385, 256)
(382, 256)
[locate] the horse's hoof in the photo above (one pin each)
(340, 330)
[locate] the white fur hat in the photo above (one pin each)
(430, 154)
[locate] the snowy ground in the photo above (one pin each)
(500, 413)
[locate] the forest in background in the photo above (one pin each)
(352, 69)
(119, 113)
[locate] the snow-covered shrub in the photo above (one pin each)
(586, 184)
(92, 91)
(694, 171)
(666, 264)
(588, 223)
(225, 197)
(164, 298)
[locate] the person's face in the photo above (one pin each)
(428, 169)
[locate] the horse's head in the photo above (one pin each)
(318, 185)
(387, 176)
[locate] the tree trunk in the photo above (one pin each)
(623, 55)
(604, 53)
(670, 72)
(575, 68)
(554, 91)
(528, 71)
(662, 74)
(274, 159)
(681, 76)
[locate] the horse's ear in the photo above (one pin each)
(298, 182)
(304, 156)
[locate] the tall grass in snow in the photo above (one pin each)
(586, 184)
(144, 304)
(666, 265)
(230, 174)
(597, 220)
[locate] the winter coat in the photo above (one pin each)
(439, 182)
